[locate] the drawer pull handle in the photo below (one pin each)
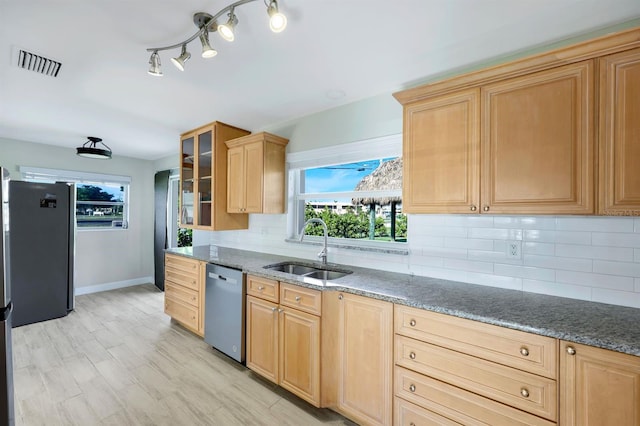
(412, 323)
(412, 387)
(524, 392)
(274, 309)
(571, 350)
(412, 424)
(473, 208)
(524, 351)
(412, 355)
(485, 208)
(298, 298)
(260, 288)
(340, 297)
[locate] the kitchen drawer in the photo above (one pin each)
(301, 298)
(263, 288)
(408, 414)
(526, 391)
(457, 404)
(182, 294)
(179, 278)
(186, 314)
(525, 351)
(182, 264)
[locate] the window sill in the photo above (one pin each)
(376, 247)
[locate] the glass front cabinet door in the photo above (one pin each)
(203, 178)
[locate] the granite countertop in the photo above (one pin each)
(596, 324)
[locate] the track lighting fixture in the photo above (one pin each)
(226, 30)
(207, 23)
(155, 65)
(90, 149)
(180, 60)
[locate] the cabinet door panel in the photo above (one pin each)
(300, 354)
(235, 180)
(441, 154)
(537, 144)
(620, 134)
(254, 169)
(262, 338)
(366, 346)
(598, 387)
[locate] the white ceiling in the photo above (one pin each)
(359, 47)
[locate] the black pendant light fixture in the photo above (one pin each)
(90, 149)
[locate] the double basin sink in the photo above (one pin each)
(318, 272)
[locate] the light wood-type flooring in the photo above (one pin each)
(119, 360)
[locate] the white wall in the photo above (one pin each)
(104, 259)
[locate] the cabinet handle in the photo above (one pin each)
(412, 424)
(298, 298)
(473, 208)
(412, 323)
(524, 392)
(280, 310)
(412, 355)
(193, 317)
(339, 297)
(193, 298)
(571, 350)
(260, 288)
(274, 309)
(412, 387)
(524, 351)
(485, 208)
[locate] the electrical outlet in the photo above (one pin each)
(514, 249)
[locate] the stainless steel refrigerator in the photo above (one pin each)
(41, 242)
(6, 366)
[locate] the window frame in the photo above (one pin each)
(38, 174)
(364, 150)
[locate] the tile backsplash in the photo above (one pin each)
(590, 258)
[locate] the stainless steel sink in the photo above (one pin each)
(319, 273)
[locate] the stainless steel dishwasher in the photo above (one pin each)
(224, 310)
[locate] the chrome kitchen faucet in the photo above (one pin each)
(323, 254)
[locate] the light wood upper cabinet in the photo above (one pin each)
(441, 154)
(203, 178)
(598, 387)
(256, 174)
(365, 360)
(538, 142)
(535, 153)
(620, 134)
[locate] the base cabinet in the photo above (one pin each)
(184, 292)
(283, 343)
(365, 342)
(598, 387)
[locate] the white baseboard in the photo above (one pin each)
(79, 291)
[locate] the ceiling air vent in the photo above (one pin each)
(40, 64)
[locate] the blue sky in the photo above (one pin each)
(342, 177)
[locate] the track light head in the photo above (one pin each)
(226, 30)
(180, 60)
(207, 50)
(277, 20)
(154, 61)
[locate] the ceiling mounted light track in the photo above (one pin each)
(90, 149)
(207, 23)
